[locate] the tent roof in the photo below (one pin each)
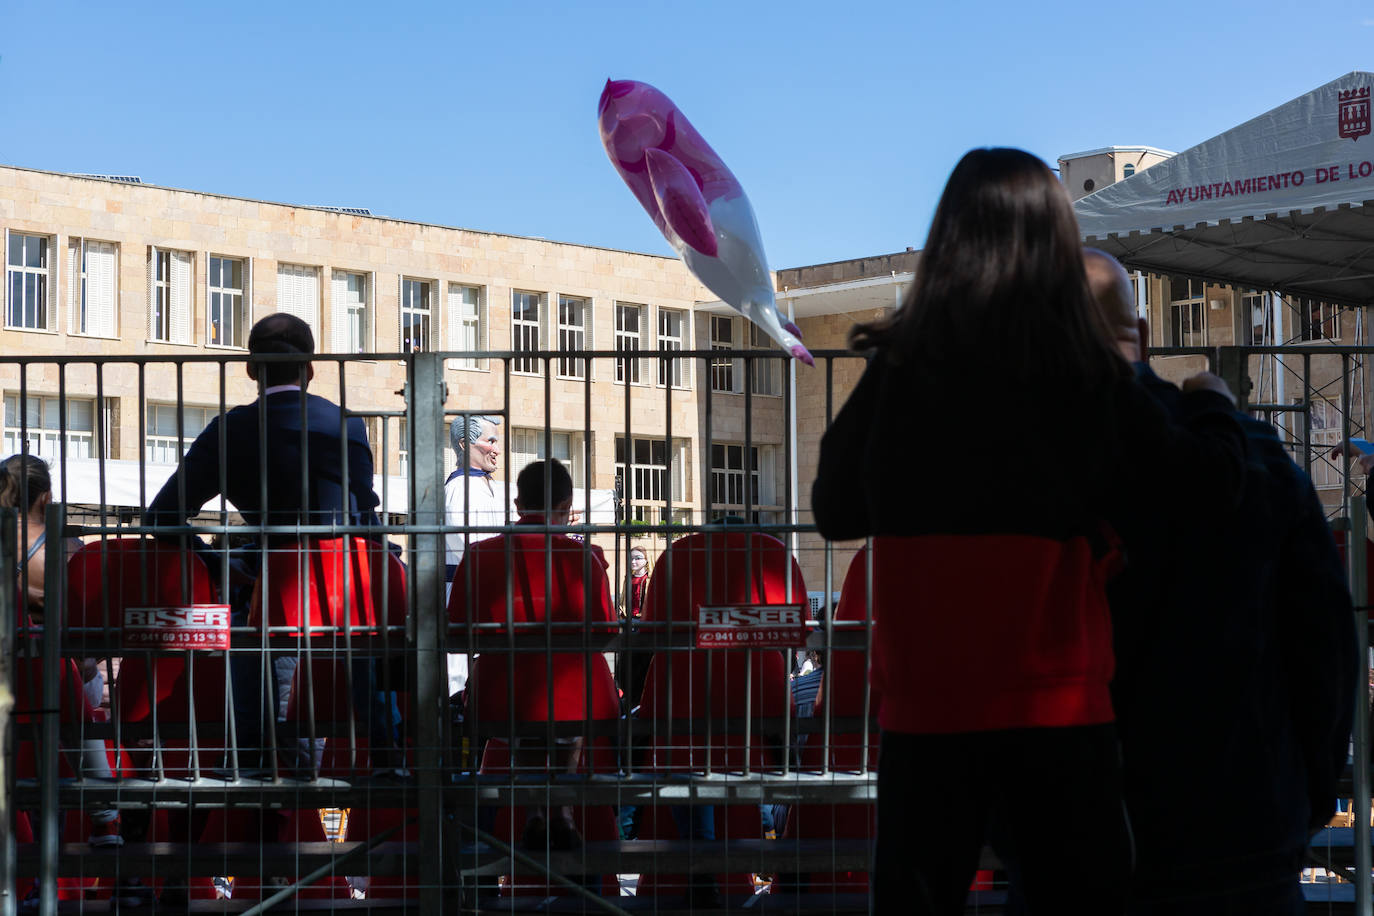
(121, 488)
(1284, 201)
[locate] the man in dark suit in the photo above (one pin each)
(300, 457)
(1236, 675)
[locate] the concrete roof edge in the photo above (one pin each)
(277, 203)
(1116, 149)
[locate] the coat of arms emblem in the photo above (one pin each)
(1354, 112)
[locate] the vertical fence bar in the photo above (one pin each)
(1359, 589)
(9, 559)
(50, 818)
(426, 423)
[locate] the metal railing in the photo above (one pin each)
(369, 726)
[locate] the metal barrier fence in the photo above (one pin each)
(279, 725)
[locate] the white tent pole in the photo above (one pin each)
(794, 515)
(1280, 368)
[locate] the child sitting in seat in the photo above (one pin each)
(532, 686)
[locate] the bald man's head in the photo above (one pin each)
(1111, 287)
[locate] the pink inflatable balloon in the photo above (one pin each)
(694, 200)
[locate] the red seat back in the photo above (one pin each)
(724, 566)
(107, 577)
(330, 582)
(718, 567)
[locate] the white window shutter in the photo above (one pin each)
(101, 287)
(456, 312)
(737, 342)
(588, 336)
(312, 303)
(247, 300)
(298, 293)
(53, 260)
(5, 287)
(338, 312)
(73, 286)
(286, 290)
(152, 292)
(452, 312)
(181, 281)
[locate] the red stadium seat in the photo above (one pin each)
(324, 592)
(564, 686)
(172, 689)
(715, 567)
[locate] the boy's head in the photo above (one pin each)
(529, 491)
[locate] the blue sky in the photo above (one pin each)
(841, 119)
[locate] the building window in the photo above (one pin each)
(765, 374)
(527, 445)
(402, 448)
(1140, 292)
(1188, 312)
(467, 323)
(92, 287)
(415, 312)
(162, 445)
(1128, 170)
(672, 336)
(1320, 320)
(723, 370)
(1325, 425)
(652, 475)
(169, 295)
(28, 279)
(735, 490)
(524, 329)
(1259, 308)
(629, 338)
(351, 321)
(572, 336)
(298, 293)
(228, 312)
(41, 426)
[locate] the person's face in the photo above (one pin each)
(638, 562)
(483, 453)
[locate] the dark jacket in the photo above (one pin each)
(1236, 678)
(988, 504)
(319, 499)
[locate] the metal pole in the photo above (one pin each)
(793, 485)
(50, 819)
(1359, 589)
(426, 396)
(9, 559)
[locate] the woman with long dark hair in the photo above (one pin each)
(993, 449)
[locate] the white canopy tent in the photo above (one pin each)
(1283, 202)
(120, 480)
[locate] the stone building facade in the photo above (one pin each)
(98, 267)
